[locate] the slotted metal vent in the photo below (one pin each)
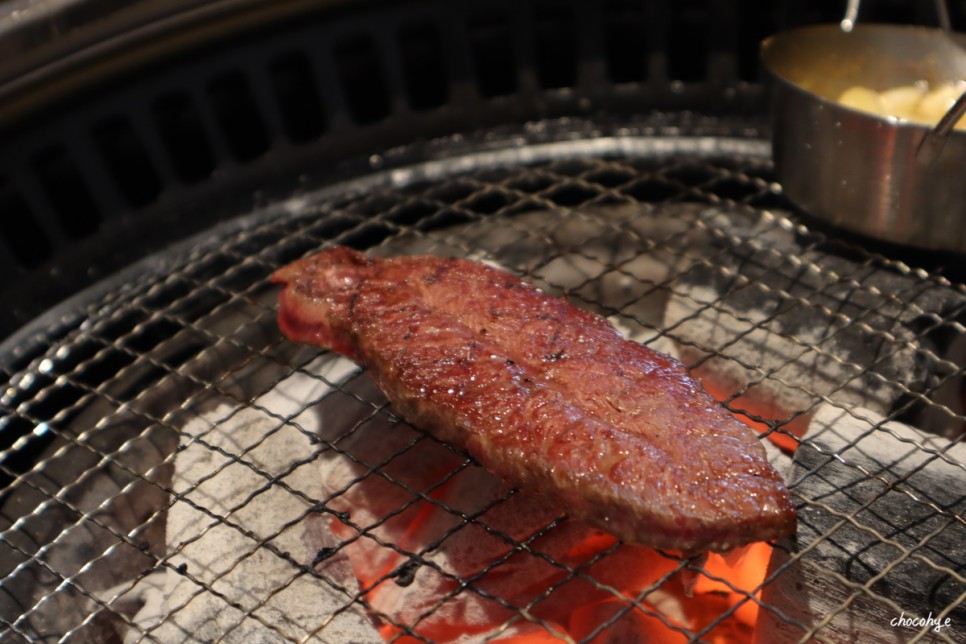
(174, 469)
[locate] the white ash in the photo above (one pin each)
(880, 507)
(636, 332)
(861, 436)
(612, 258)
(237, 540)
(744, 353)
(792, 326)
(781, 461)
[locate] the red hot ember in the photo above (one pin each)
(546, 395)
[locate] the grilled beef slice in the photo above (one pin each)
(544, 394)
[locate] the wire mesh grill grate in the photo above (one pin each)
(174, 469)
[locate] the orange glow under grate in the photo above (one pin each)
(592, 590)
(687, 602)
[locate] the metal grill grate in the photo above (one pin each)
(173, 469)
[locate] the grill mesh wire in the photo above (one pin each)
(106, 398)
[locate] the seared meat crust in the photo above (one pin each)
(546, 395)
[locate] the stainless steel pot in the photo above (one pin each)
(855, 169)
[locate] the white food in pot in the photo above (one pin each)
(918, 102)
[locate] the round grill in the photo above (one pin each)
(172, 469)
(175, 469)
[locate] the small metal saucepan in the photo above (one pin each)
(856, 169)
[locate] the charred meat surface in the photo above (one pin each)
(544, 394)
